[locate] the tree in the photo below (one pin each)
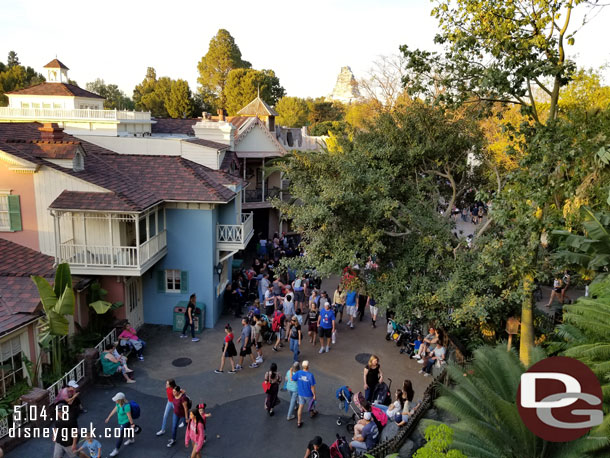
(244, 84)
(320, 111)
(438, 441)
(164, 97)
(223, 56)
(384, 84)
(293, 112)
(114, 98)
(12, 59)
(179, 102)
(16, 77)
(484, 402)
(361, 114)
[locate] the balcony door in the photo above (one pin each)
(133, 301)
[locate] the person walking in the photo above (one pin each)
(299, 294)
(339, 302)
(362, 301)
(65, 441)
(278, 323)
(245, 340)
(317, 449)
(312, 320)
(169, 407)
(273, 379)
(288, 305)
(351, 299)
(373, 309)
(291, 387)
(566, 284)
(326, 327)
(372, 377)
(195, 432)
(182, 404)
(189, 318)
(306, 387)
(228, 351)
(556, 292)
(294, 331)
(122, 409)
(257, 338)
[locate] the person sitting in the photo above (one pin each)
(414, 347)
(120, 357)
(368, 437)
(112, 365)
(427, 345)
(128, 337)
(437, 355)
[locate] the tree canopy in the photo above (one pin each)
(244, 84)
(14, 76)
(293, 112)
(164, 97)
(114, 98)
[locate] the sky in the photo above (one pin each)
(305, 43)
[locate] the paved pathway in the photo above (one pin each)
(239, 426)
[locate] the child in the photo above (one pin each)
(299, 315)
(414, 347)
(90, 448)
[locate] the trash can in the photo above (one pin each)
(179, 317)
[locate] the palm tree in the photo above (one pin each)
(484, 401)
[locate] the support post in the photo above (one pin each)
(263, 172)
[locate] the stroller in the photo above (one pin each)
(340, 448)
(266, 332)
(379, 416)
(345, 397)
(382, 393)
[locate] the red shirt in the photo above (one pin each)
(229, 337)
(170, 393)
(178, 407)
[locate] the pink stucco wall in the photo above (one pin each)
(21, 184)
(116, 293)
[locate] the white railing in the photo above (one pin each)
(15, 419)
(68, 114)
(151, 247)
(77, 373)
(236, 233)
(98, 255)
(110, 338)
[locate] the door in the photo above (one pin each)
(133, 301)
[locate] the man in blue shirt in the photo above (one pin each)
(369, 436)
(326, 326)
(350, 304)
(306, 389)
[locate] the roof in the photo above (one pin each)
(243, 131)
(133, 182)
(19, 299)
(49, 149)
(208, 143)
(56, 89)
(174, 126)
(257, 107)
(56, 63)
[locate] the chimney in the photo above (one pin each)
(221, 114)
(51, 131)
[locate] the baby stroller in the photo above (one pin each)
(266, 332)
(345, 397)
(340, 448)
(382, 393)
(379, 416)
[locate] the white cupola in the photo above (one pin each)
(56, 72)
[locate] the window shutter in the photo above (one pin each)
(184, 282)
(14, 212)
(161, 281)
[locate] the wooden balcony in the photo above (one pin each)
(235, 237)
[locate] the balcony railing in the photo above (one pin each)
(256, 195)
(235, 236)
(97, 257)
(61, 114)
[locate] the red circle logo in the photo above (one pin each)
(560, 399)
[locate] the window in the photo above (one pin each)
(11, 368)
(172, 281)
(10, 212)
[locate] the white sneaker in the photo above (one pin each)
(181, 424)
(237, 367)
(171, 443)
(129, 441)
(160, 432)
(416, 356)
(259, 360)
(321, 350)
(420, 361)
(421, 372)
(115, 452)
(253, 365)
(327, 349)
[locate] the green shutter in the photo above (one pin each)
(14, 212)
(161, 281)
(184, 282)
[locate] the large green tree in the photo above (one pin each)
(114, 98)
(164, 97)
(244, 84)
(223, 56)
(14, 76)
(293, 112)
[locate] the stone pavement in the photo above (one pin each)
(239, 426)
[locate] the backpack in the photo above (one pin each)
(277, 321)
(340, 448)
(135, 409)
(297, 283)
(189, 402)
(381, 418)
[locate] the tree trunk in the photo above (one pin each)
(526, 344)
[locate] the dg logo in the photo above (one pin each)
(560, 399)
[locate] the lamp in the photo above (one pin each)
(219, 268)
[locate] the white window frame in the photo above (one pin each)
(173, 280)
(5, 210)
(16, 373)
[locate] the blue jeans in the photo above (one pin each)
(294, 348)
(428, 366)
(186, 326)
(168, 408)
(293, 402)
(175, 422)
(381, 406)
(119, 440)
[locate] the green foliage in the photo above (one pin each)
(223, 56)
(438, 440)
(100, 321)
(320, 110)
(337, 128)
(179, 102)
(14, 76)
(13, 394)
(243, 85)
(293, 112)
(484, 402)
(164, 97)
(12, 59)
(114, 98)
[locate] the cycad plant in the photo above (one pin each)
(483, 399)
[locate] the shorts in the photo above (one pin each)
(245, 350)
(258, 345)
(60, 451)
(313, 327)
(299, 296)
(557, 290)
(351, 310)
(325, 332)
(374, 310)
(340, 307)
(304, 400)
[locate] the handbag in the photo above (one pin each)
(266, 386)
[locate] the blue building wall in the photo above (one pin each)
(191, 245)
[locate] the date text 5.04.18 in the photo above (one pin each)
(33, 413)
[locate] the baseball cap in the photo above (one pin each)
(118, 397)
(73, 384)
(367, 416)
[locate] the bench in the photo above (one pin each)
(101, 376)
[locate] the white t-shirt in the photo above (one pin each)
(439, 352)
(288, 307)
(268, 298)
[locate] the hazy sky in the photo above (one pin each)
(305, 43)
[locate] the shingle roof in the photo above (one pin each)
(20, 261)
(56, 63)
(58, 89)
(135, 181)
(50, 149)
(258, 107)
(208, 143)
(174, 126)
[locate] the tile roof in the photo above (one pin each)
(174, 126)
(58, 89)
(258, 107)
(208, 143)
(50, 149)
(20, 261)
(56, 63)
(135, 181)
(230, 158)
